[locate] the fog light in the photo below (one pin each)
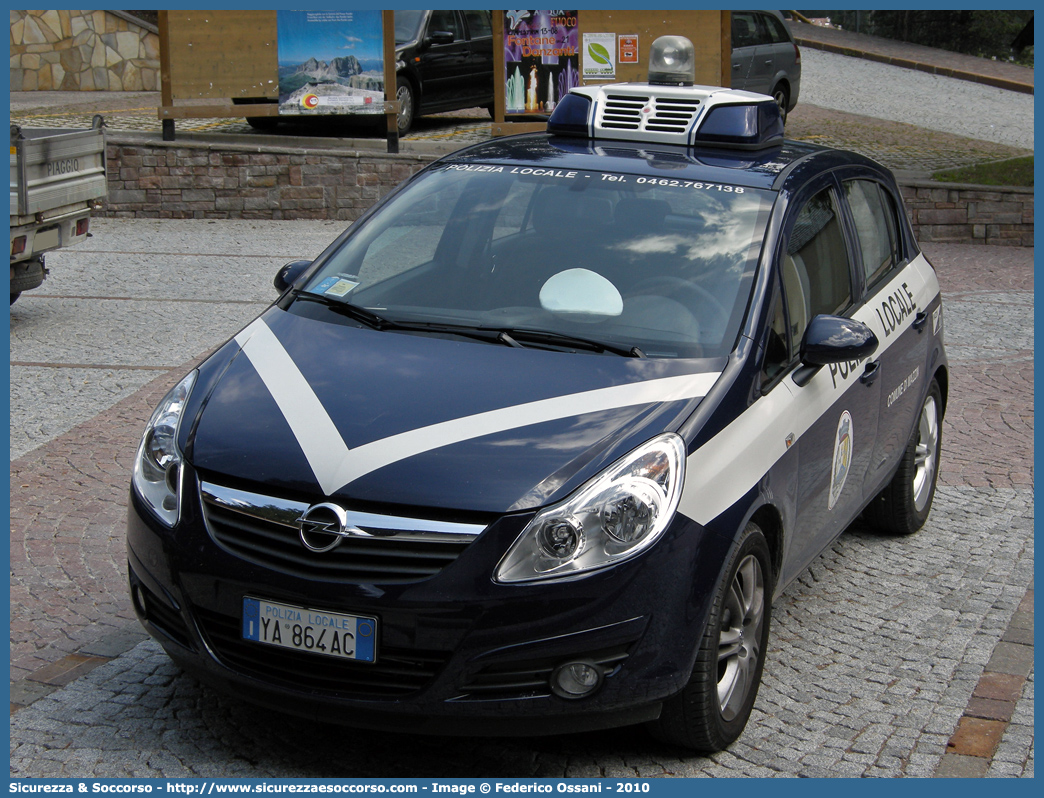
(82, 225)
(576, 679)
(138, 599)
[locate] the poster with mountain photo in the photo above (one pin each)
(330, 62)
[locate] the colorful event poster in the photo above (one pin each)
(330, 62)
(541, 59)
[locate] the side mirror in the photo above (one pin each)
(835, 339)
(830, 340)
(288, 275)
(440, 37)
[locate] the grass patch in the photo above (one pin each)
(1013, 172)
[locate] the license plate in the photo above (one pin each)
(47, 239)
(302, 629)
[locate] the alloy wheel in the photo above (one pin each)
(739, 646)
(926, 453)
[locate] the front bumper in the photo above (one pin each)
(453, 647)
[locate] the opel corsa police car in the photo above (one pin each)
(533, 445)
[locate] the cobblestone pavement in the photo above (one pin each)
(889, 656)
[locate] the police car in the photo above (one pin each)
(533, 445)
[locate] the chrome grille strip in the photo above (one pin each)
(285, 512)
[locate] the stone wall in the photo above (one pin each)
(967, 214)
(192, 180)
(208, 181)
(82, 51)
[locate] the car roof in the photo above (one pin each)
(767, 168)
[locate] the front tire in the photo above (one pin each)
(903, 506)
(712, 710)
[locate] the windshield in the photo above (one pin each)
(407, 25)
(664, 265)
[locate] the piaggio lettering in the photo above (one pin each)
(63, 167)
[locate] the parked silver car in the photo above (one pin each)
(765, 57)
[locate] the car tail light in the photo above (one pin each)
(797, 55)
(18, 245)
(82, 224)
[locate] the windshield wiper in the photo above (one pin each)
(512, 336)
(367, 317)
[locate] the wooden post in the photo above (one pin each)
(166, 92)
(390, 89)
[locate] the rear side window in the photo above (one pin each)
(874, 213)
(777, 33)
(478, 24)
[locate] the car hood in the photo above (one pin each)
(319, 408)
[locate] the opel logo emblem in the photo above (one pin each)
(324, 526)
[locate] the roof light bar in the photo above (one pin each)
(669, 109)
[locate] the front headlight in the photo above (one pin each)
(157, 466)
(616, 515)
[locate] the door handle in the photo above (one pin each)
(873, 368)
(920, 320)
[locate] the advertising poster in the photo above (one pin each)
(330, 62)
(628, 48)
(599, 56)
(541, 59)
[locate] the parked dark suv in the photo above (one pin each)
(765, 58)
(444, 62)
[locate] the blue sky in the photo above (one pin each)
(301, 39)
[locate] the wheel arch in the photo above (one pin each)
(942, 376)
(770, 521)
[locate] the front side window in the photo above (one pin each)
(665, 265)
(777, 346)
(815, 264)
(874, 215)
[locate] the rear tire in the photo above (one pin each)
(258, 122)
(407, 104)
(782, 97)
(903, 506)
(713, 708)
(262, 122)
